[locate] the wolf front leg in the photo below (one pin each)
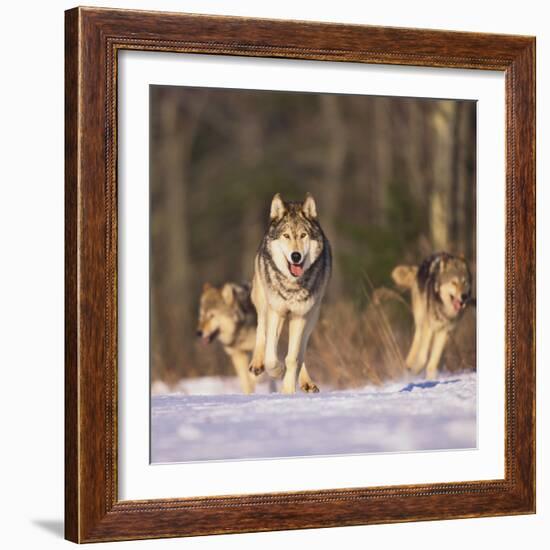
(273, 366)
(296, 328)
(304, 379)
(426, 335)
(257, 363)
(419, 314)
(260, 303)
(413, 352)
(246, 378)
(440, 339)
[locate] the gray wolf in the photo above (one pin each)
(291, 271)
(441, 288)
(226, 314)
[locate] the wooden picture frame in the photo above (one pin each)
(93, 511)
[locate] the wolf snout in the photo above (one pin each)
(296, 257)
(199, 333)
(464, 299)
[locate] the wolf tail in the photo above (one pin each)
(404, 275)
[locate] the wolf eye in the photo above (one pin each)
(286, 235)
(303, 236)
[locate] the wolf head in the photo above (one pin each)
(219, 313)
(295, 236)
(452, 282)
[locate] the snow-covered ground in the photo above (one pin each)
(207, 419)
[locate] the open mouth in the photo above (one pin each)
(208, 338)
(458, 304)
(296, 270)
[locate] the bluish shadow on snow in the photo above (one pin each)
(427, 384)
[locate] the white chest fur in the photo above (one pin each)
(295, 304)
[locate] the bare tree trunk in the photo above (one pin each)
(412, 148)
(455, 221)
(383, 156)
(426, 148)
(470, 184)
(442, 158)
(160, 364)
(171, 313)
(250, 137)
(334, 161)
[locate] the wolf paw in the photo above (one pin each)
(309, 387)
(415, 366)
(256, 370)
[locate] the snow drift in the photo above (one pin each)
(207, 419)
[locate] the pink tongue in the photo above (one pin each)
(457, 304)
(296, 270)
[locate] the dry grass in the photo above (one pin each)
(352, 347)
(338, 352)
(460, 354)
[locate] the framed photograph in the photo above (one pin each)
(300, 275)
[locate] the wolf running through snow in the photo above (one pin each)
(291, 271)
(441, 288)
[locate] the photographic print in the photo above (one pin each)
(276, 236)
(312, 275)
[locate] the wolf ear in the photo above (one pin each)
(277, 207)
(228, 294)
(309, 208)
(436, 267)
(437, 264)
(206, 286)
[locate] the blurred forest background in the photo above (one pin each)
(394, 180)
